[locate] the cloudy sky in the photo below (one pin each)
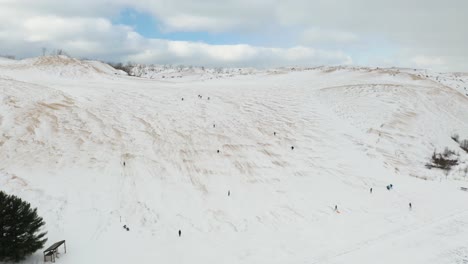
(261, 33)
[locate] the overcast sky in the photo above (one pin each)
(429, 34)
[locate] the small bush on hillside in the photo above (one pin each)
(455, 137)
(11, 57)
(59, 52)
(447, 153)
(20, 227)
(444, 160)
(119, 66)
(464, 145)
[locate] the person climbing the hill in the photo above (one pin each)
(217, 151)
(180, 233)
(274, 133)
(292, 147)
(229, 193)
(410, 206)
(370, 190)
(124, 163)
(336, 208)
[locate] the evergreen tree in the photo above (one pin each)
(20, 227)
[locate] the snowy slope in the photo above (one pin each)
(63, 141)
(58, 67)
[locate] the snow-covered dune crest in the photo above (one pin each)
(59, 66)
(94, 154)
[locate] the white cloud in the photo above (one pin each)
(430, 27)
(321, 36)
(98, 38)
(186, 22)
(183, 52)
(422, 61)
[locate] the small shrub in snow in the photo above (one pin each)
(119, 66)
(464, 145)
(447, 153)
(11, 57)
(444, 160)
(455, 137)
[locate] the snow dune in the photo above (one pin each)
(67, 126)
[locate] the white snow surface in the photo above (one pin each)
(67, 126)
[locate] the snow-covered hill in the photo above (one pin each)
(292, 145)
(58, 67)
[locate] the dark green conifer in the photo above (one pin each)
(20, 229)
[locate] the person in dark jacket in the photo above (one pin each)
(180, 233)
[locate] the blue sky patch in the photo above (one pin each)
(150, 27)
